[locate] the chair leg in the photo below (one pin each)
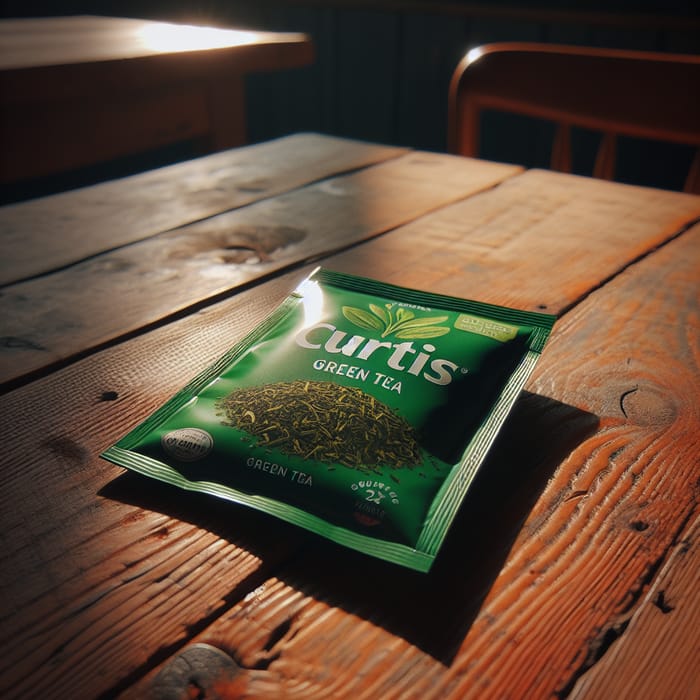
(561, 149)
(605, 160)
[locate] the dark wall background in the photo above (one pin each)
(383, 68)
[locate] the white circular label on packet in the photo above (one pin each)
(187, 444)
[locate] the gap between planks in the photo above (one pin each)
(653, 571)
(83, 222)
(644, 637)
(167, 286)
(673, 235)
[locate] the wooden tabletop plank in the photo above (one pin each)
(72, 549)
(39, 236)
(662, 634)
(57, 316)
(584, 498)
(92, 56)
(55, 41)
(541, 241)
(98, 566)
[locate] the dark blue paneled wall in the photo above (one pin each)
(383, 68)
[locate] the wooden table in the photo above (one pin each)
(76, 91)
(572, 570)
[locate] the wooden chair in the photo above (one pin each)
(617, 92)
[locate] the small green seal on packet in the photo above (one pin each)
(358, 410)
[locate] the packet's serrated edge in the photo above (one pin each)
(382, 549)
(201, 380)
(452, 492)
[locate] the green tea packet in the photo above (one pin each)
(358, 410)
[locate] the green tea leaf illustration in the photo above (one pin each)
(422, 332)
(382, 313)
(403, 315)
(417, 322)
(362, 318)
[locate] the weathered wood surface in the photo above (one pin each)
(578, 515)
(59, 230)
(661, 634)
(77, 308)
(577, 522)
(92, 565)
(560, 588)
(540, 241)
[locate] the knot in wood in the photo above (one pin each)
(200, 667)
(647, 406)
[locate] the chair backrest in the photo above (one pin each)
(617, 92)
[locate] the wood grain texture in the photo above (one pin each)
(99, 566)
(63, 314)
(662, 635)
(540, 241)
(561, 542)
(125, 580)
(59, 230)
